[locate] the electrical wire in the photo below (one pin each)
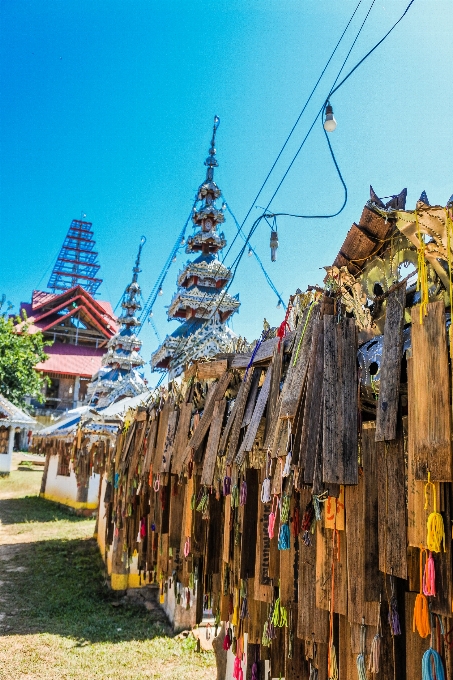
(257, 257)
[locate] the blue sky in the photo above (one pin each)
(107, 107)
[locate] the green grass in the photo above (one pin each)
(59, 619)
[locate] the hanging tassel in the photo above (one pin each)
(227, 640)
(287, 468)
(432, 658)
(295, 527)
(283, 537)
(332, 671)
(226, 486)
(307, 522)
(285, 507)
(375, 653)
(393, 616)
(421, 610)
(429, 576)
(235, 496)
(435, 526)
(238, 673)
(361, 671)
(284, 327)
(266, 491)
(243, 494)
(272, 517)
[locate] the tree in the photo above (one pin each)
(20, 351)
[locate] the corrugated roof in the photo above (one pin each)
(72, 360)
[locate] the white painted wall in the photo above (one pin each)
(64, 489)
(6, 458)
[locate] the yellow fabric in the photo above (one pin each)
(435, 525)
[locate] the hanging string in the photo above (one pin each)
(307, 523)
(449, 225)
(272, 517)
(313, 304)
(279, 615)
(429, 576)
(332, 667)
(361, 657)
(284, 537)
(435, 525)
(375, 652)
(284, 327)
(295, 527)
(266, 491)
(421, 611)
(422, 278)
(243, 493)
(393, 616)
(317, 500)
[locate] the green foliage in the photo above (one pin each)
(20, 351)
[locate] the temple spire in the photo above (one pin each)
(211, 161)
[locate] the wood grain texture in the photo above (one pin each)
(297, 371)
(274, 393)
(211, 369)
(161, 435)
(263, 583)
(181, 437)
(389, 386)
(207, 475)
(373, 577)
(247, 442)
(416, 646)
(250, 406)
(215, 393)
(176, 514)
(264, 353)
(340, 445)
(169, 440)
(250, 523)
(392, 507)
(431, 393)
(325, 553)
(241, 400)
(313, 402)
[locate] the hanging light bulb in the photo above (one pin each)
(274, 245)
(183, 241)
(250, 252)
(173, 259)
(330, 123)
(279, 304)
(161, 292)
(151, 314)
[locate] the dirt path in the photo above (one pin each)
(58, 619)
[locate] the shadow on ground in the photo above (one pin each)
(34, 509)
(59, 587)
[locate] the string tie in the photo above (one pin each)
(238, 673)
(421, 611)
(432, 658)
(235, 496)
(266, 491)
(287, 468)
(283, 537)
(361, 671)
(243, 493)
(393, 616)
(429, 576)
(226, 486)
(435, 526)
(272, 517)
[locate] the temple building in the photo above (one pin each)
(120, 376)
(78, 325)
(200, 304)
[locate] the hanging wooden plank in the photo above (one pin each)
(432, 435)
(392, 507)
(264, 352)
(249, 528)
(161, 435)
(258, 614)
(176, 513)
(263, 583)
(251, 401)
(296, 666)
(389, 386)
(325, 553)
(211, 369)
(358, 608)
(151, 444)
(241, 400)
(442, 603)
(274, 393)
(373, 577)
(417, 515)
(313, 403)
(226, 528)
(248, 441)
(216, 392)
(214, 545)
(340, 446)
(181, 437)
(169, 439)
(207, 475)
(297, 371)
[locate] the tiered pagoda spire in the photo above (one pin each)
(200, 302)
(119, 376)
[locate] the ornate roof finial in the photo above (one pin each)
(136, 270)
(424, 198)
(211, 161)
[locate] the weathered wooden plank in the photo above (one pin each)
(207, 475)
(161, 435)
(325, 553)
(226, 528)
(442, 603)
(151, 444)
(247, 442)
(274, 393)
(251, 400)
(361, 241)
(392, 507)
(211, 369)
(249, 527)
(169, 439)
(358, 608)
(313, 401)
(417, 515)
(297, 371)
(264, 352)
(389, 386)
(373, 577)
(215, 393)
(263, 583)
(241, 400)
(176, 513)
(340, 446)
(296, 666)
(181, 437)
(432, 435)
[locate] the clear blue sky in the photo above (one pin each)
(107, 107)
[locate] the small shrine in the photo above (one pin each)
(201, 302)
(119, 376)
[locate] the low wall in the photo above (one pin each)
(63, 489)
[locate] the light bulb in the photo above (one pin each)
(279, 304)
(250, 252)
(151, 314)
(173, 258)
(183, 241)
(161, 292)
(330, 123)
